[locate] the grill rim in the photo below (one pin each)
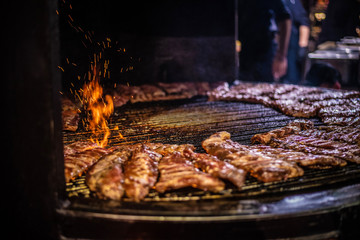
(266, 210)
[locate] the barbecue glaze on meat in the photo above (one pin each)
(293, 127)
(177, 171)
(302, 141)
(264, 168)
(166, 149)
(303, 159)
(296, 101)
(336, 133)
(217, 168)
(318, 146)
(70, 115)
(79, 156)
(141, 172)
(106, 177)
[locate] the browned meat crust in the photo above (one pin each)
(346, 134)
(293, 127)
(141, 172)
(166, 149)
(293, 107)
(106, 177)
(176, 171)
(217, 168)
(292, 100)
(342, 121)
(340, 111)
(303, 159)
(146, 93)
(312, 145)
(302, 139)
(70, 115)
(264, 168)
(79, 156)
(178, 89)
(336, 102)
(329, 95)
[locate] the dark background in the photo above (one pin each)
(167, 41)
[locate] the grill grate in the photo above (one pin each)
(192, 121)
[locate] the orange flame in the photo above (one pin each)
(99, 107)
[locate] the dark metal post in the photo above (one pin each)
(33, 114)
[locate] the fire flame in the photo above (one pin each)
(98, 106)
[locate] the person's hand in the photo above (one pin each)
(301, 54)
(279, 67)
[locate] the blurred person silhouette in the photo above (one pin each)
(263, 57)
(299, 39)
(323, 74)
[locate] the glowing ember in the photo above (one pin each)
(98, 106)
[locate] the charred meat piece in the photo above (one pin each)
(293, 127)
(78, 146)
(264, 168)
(340, 111)
(141, 172)
(220, 145)
(346, 134)
(79, 156)
(298, 139)
(283, 97)
(70, 115)
(120, 100)
(271, 170)
(178, 90)
(353, 102)
(327, 95)
(106, 177)
(176, 171)
(292, 107)
(166, 149)
(303, 159)
(217, 168)
(147, 93)
(286, 91)
(344, 151)
(352, 121)
(218, 92)
(121, 95)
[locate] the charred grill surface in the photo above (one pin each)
(191, 122)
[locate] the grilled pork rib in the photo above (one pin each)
(302, 142)
(293, 127)
(217, 168)
(106, 177)
(70, 115)
(319, 146)
(79, 156)
(166, 149)
(141, 172)
(177, 171)
(303, 159)
(264, 168)
(336, 133)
